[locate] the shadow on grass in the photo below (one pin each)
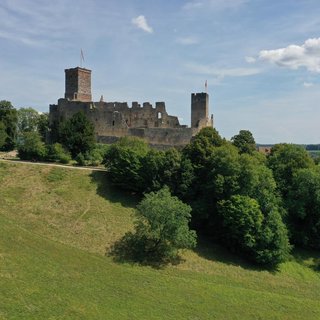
(133, 250)
(208, 249)
(307, 257)
(116, 195)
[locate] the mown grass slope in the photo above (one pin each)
(55, 227)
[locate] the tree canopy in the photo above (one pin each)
(244, 141)
(77, 134)
(162, 223)
(9, 119)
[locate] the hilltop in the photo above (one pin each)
(56, 225)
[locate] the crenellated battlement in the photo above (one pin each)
(112, 120)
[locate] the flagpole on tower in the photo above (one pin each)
(81, 58)
(206, 86)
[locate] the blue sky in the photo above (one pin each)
(261, 58)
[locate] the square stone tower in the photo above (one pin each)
(78, 84)
(200, 110)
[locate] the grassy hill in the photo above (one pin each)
(56, 226)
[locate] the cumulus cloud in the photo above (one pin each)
(295, 56)
(187, 40)
(141, 23)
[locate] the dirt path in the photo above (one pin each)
(53, 165)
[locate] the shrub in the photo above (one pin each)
(56, 153)
(30, 147)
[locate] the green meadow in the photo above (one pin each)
(56, 229)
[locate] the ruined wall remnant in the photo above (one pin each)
(113, 120)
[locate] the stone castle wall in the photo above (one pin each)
(113, 120)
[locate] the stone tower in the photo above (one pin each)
(78, 84)
(200, 111)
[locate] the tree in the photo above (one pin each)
(77, 134)
(304, 208)
(27, 120)
(8, 116)
(262, 238)
(3, 135)
(30, 147)
(162, 225)
(285, 160)
(242, 221)
(43, 125)
(202, 145)
(244, 141)
(124, 163)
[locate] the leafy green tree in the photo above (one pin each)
(242, 221)
(30, 146)
(8, 116)
(77, 134)
(27, 120)
(285, 160)
(124, 162)
(162, 225)
(3, 135)
(262, 238)
(202, 145)
(244, 141)
(273, 246)
(152, 170)
(43, 125)
(304, 208)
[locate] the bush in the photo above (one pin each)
(30, 147)
(124, 162)
(56, 153)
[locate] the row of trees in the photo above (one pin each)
(255, 205)
(27, 130)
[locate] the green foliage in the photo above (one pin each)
(244, 141)
(27, 120)
(285, 160)
(3, 135)
(93, 157)
(77, 134)
(273, 247)
(263, 238)
(162, 225)
(303, 203)
(8, 116)
(241, 220)
(202, 145)
(55, 224)
(124, 162)
(56, 153)
(30, 147)
(43, 125)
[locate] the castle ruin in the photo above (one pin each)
(113, 120)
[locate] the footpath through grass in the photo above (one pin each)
(55, 226)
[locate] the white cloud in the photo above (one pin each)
(308, 84)
(187, 40)
(222, 72)
(250, 59)
(295, 56)
(141, 23)
(213, 4)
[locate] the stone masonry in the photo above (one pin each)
(113, 120)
